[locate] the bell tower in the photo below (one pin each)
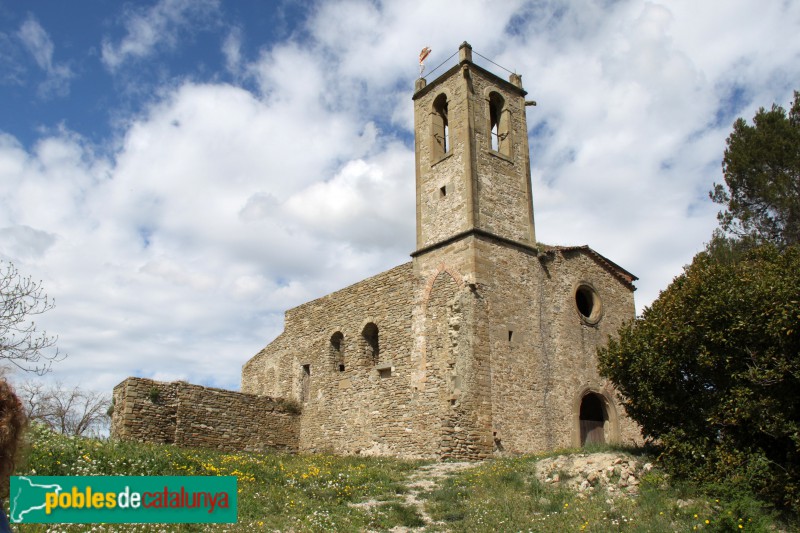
(472, 160)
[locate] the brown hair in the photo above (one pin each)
(12, 423)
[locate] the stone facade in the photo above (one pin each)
(194, 416)
(486, 341)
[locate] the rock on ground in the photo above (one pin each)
(615, 473)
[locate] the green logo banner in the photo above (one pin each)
(122, 499)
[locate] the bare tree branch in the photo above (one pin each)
(20, 343)
(68, 411)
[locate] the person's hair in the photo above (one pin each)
(12, 423)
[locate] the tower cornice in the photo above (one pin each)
(469, 65)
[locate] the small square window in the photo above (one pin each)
(385, 373)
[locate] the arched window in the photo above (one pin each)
(371, 346)
(440, 131)
(499, 124)
(337, 351)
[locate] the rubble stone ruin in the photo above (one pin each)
(484, 342)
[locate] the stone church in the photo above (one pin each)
(484, 342)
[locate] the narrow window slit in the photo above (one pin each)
(305, 384)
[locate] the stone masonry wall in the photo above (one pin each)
(194, 416)
(504, 199)
(451, 355)
(354, 401)
(138, 417)
(543, 352)
(442, 215)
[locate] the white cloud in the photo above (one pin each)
(174, 273)
(380, 191)
(25, 242)
(41, 47)
(159, 26)
(232, 50)
(38, 43)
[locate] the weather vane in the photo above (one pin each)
(422, 55)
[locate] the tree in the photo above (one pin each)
(20, 342)
(761, 168)
(67, 411)
(711, 370)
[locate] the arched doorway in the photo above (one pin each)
(593, 418)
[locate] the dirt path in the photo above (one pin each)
(425, 479)
(422, 480)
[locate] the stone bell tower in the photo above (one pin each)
(474, 228)
(472, 162)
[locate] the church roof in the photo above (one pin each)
(614, 269)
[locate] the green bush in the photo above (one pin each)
(711, 372)
(154, 394)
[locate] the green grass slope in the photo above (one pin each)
(320, 492)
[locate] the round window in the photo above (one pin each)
(588, 303)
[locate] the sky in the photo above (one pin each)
(178, 173)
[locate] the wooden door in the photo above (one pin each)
(592, 420)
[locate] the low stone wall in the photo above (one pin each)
(193, 416)
(145, 410)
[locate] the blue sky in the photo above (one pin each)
(180, 172)
(94, 61)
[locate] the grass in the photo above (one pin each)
(282, 492)
(505, 495)
(277, 492)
